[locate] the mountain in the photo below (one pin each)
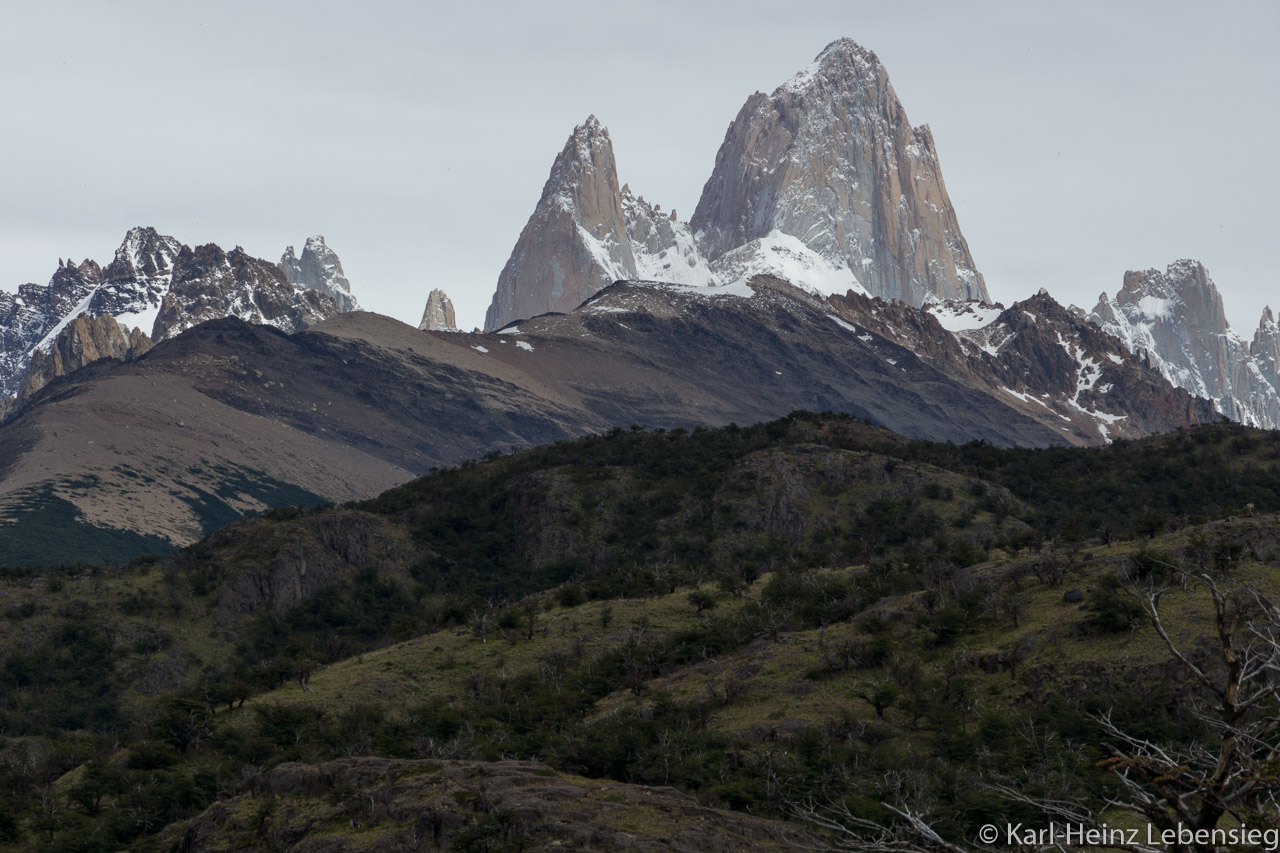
(160, 286)
(588, 232)
(137, 279)
(823, 183)
(209, 283)
(831, 159)
(438, 314)
(1175, 320)
(230, 418)
(320, 269)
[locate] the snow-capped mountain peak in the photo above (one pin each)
(842, 60)
(319, 268)
(830, 159)
(1176, 320)
(823, 183)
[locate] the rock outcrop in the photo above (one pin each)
(830, 159)
(438, 316)
(81, 342)
(1176, 321)
(319, 269)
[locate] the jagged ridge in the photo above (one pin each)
(161, 287)
(1175, 320)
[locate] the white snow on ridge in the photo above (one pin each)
(963, 316)
(1026, 398)
(786, 257)
(664, 249)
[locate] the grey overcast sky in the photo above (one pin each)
(1077, 139)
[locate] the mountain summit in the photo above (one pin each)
(319, 269)
(823, 183)
(830, 159)
(575, 242)
(1175, 318)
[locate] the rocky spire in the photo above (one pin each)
(831, 160)
(1265, 348)
(319, 269)
(81, 342)
(438, 315)
(1176, 319)
(576, 240)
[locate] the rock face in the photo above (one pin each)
(209, 283)
(1175, 320)
(830, 159)
(319, 269)
(81, 342)
(160, 286)
(137, 279)
(438, 315)
(823, 183)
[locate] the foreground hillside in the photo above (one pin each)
(810, 610)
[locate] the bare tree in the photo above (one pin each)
(1234, 693)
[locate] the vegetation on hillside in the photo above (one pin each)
(809, 611)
